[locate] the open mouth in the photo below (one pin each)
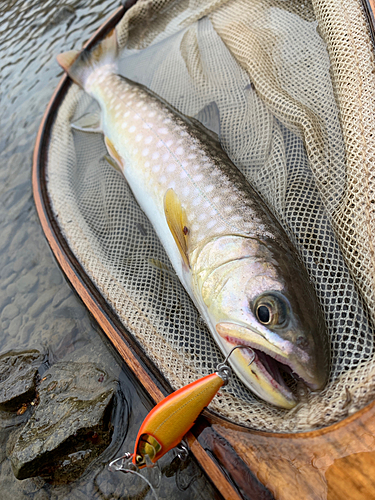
(277, 374)
(268, 374)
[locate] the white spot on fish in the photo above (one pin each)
(152, 114)
(180, 151)
(126, 114)
(172, 185)
(132, 128)
(192, 156)
(118, 106)
(195, 227)
(211, 224)
(147, 164)
(159, 144)
(202, 216)
(186, 191)
(163, 130)
(209, 188)
(216, 199)
(183, 133)
(156, 168)
(169, 143)
(163, 179)
(124, 125)
(148, 139)
(144, 108)
(213, 212)
(183, 174)
(165, 156)
(155, 155)
(171, 167)
(196, 201)
(139, 137)
(145, 152)
(167, 120)
(198, 178)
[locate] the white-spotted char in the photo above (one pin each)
(230, 253)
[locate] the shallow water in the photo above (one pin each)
(37, 307)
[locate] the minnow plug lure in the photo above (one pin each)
(168, 422)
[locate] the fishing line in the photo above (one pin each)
(114, 467)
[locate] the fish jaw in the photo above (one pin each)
(262, 376)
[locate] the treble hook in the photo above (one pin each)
(224, 370)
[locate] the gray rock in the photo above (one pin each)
(26, 283)
(26, 331)
(41, 303)
(9, 312)
(6, 236)
(14, 326)
(18, 372)
(70, 426)
(6, 281)
(11, 290)
(55, 278)
(61, 295)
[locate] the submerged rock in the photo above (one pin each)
(18, 374)
(70, 426)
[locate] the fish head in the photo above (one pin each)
(262, 298)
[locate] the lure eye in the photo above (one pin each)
(271, 310)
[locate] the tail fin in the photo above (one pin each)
(80, 65)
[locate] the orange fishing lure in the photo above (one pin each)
(167, 423)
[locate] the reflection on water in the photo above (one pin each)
(37, 307)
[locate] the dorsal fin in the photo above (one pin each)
(177, 222)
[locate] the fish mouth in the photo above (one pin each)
(265, 371)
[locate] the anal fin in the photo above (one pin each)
(89, 123)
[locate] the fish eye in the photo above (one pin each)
(264, 314)
(271, 310)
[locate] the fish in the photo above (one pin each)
(230, 253)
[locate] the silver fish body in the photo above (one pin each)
(232, 256)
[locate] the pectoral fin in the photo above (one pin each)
(114, 156)
(177, 223)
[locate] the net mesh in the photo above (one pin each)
(293, 83)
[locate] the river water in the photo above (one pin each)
(37, 307)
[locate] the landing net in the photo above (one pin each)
(294, 85)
